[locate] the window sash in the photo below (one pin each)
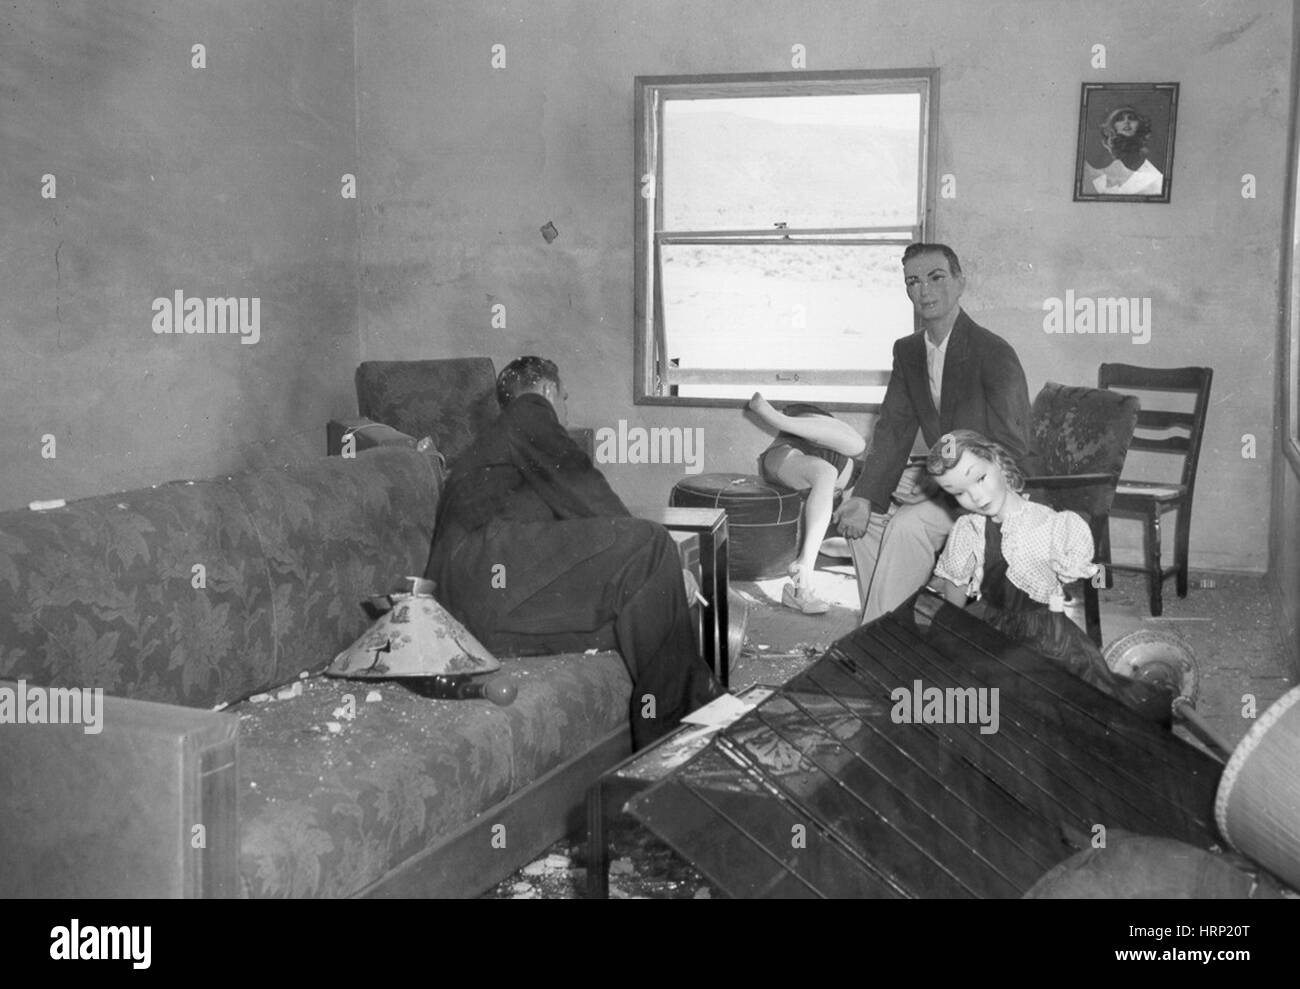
(653, 376)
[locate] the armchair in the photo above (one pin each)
(1081, 437)
(446, 399)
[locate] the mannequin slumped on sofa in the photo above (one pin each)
(535, 553)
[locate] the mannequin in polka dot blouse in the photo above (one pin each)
(1012, 555)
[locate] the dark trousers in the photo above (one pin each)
(531, 588)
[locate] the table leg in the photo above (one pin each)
(597, 844)
(709, 575)
(721, 588)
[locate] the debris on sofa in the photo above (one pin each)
(334, 727)
(373, 697)
(289, 693)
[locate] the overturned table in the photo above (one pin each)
(925, 755)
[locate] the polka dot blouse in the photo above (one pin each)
(1037, 542)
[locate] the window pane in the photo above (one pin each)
(783, 306)
(806, 161)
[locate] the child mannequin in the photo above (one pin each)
(1012, 556)
(812, 451)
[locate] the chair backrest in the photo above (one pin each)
(1160, 431)
(1082, 430)
(450, 399)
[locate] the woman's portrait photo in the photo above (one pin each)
(1126, 142)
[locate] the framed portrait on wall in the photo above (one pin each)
(1126, 142)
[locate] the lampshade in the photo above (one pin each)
(417, 637)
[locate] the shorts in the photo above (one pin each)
(785, 441)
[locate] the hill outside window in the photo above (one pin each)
(772, 213)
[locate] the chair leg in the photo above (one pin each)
(1182, 530)
(1103, 552)
(1092, 611)
(1153, 563)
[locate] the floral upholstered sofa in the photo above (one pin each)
(186, 600)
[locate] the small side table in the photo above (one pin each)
(688, 550)
(711, 525)
(610, 793)
(607, 796)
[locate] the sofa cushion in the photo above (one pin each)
(334, 532)
(102, 592)
(328, 814)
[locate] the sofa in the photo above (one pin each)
(189, 603)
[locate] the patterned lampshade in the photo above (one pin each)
(416, 638)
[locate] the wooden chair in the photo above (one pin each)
(1080, 438)
(1150, 500)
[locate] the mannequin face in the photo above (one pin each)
(978, 484)
(932, 287)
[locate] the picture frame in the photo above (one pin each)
(1126, 142)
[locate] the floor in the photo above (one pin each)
(1226, 619)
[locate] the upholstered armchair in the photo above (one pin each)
(446, 399)
(1081, 437)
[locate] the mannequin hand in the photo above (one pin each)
(852, 517)
(1068, 570)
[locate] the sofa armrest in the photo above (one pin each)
(362, 434)
(145, 807)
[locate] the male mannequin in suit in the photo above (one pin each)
(953, 374)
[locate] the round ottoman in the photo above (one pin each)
(764, 521)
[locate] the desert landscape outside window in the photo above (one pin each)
(772, 211)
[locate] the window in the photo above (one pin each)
(771, 218)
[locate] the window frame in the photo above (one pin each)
(1288, 404)
(648, 320)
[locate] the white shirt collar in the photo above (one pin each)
(942, 348)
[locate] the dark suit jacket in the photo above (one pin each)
(984, 389)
